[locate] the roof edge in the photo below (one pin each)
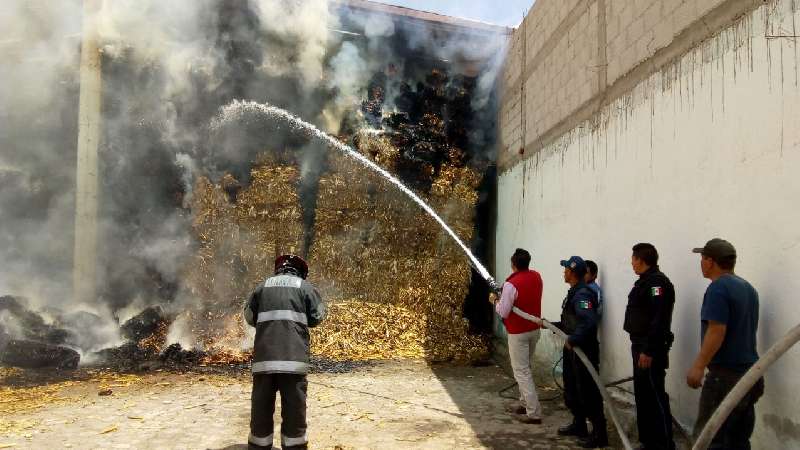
(425, 16)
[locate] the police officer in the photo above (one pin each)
(579, 321)
(282, 309)
(648, 318)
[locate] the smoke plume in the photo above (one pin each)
(167, 69)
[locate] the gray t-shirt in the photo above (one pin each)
(734, 302)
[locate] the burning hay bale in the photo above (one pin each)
(146, 335)
(36, 355)
(127, 356)
(29, 324)
(238, 242)
(378, 147)
(145, 324)
(177, 355)
(396, 280)
(28, 341)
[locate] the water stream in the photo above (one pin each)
(243, 110)
(240, 110)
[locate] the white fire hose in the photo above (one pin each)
(743, 387)
(595, 376)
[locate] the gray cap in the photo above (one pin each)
(717, 249)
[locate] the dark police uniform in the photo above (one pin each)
(648, 319)
(579, 320)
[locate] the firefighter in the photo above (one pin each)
(282, 310)
(579, 321)
(648, 319)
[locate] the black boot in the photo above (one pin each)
(598, 438)
(576, 428)
(251, 446)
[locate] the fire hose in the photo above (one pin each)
(743, 387)
(590, 367)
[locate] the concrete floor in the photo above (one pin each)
(407, 404)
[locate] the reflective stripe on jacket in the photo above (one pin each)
(282, 310)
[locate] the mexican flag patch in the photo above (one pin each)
(656, 291)
(585, 304)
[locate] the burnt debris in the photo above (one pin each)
(27, 340)
(37, 355)
(33, 325)
(145, 324)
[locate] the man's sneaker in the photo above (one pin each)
(574, 429)
(524, 418)
(516, 408)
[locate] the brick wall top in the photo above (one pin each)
(569, 55)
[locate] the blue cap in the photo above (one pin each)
(575, 264)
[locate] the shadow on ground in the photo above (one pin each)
(482, 406)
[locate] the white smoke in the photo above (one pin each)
(305, 22)
(378, 25)
(166, 63)
(180, 332)
(189, 172)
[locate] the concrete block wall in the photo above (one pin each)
(568, 58)
(510, 120)
(564, 76)
(693, 134)
(636, 29)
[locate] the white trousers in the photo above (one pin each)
(521, 348)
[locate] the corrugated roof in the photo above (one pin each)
(425, 16)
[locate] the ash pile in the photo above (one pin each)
(147, 350)
(53, 339)
(145, 347)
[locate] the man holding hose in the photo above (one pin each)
(282, 309)
(579, 321)
(523, 290)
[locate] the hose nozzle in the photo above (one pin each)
(494, 286)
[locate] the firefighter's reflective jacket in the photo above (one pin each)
(282, 310)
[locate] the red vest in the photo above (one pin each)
(528, 284)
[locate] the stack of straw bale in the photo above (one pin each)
(237, 246)
(394, 278)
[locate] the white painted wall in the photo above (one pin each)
(710, 147)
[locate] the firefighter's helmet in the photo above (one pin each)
(291, 264)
